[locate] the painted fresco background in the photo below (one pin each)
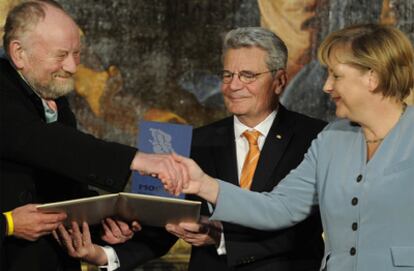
(157, 60)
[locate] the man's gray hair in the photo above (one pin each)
(23, 18)
(247, 37)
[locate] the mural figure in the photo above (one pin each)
(309, 18)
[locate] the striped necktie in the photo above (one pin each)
(251, 160)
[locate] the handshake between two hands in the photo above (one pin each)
(177, 173)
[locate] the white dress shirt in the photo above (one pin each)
(242, 148)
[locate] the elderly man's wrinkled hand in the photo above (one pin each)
(30, 223)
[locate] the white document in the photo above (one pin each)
(146, 209)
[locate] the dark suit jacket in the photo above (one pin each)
(3, 228)
(213, 148)
(43, 162)
(293, 249)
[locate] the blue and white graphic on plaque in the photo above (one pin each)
(160, 137)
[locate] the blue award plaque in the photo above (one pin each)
(160, 137)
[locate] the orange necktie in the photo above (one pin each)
(251, 160)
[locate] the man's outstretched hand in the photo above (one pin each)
(30, 224)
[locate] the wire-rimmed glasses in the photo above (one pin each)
(246, 77)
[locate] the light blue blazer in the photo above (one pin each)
(367, 209)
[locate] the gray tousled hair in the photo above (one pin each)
(246, 37)
(23, 18)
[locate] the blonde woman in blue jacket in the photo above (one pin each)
(360, 170)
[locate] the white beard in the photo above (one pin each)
(54, 88)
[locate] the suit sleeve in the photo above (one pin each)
(149, 244)
(58, 148)
(2, 229)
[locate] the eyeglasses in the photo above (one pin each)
(246, 77)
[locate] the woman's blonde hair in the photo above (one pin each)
(383, 49)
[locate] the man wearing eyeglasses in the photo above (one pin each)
(253, 78)
(255, 148)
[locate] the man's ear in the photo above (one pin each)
(279, 81)
(17, 54)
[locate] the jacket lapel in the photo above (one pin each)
(65, 115)
(224, 153)
(273, 149)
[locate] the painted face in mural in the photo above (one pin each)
(252, 102)
(350, 88)
(49, 55)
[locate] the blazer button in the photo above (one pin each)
(359, 178)
(354, 226)
(352, 251)
(354, 201)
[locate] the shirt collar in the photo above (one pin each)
(50, 114)
(263, 127)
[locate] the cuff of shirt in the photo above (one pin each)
(221, 249)
(113, 261)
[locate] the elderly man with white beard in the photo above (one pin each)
(43, 156)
